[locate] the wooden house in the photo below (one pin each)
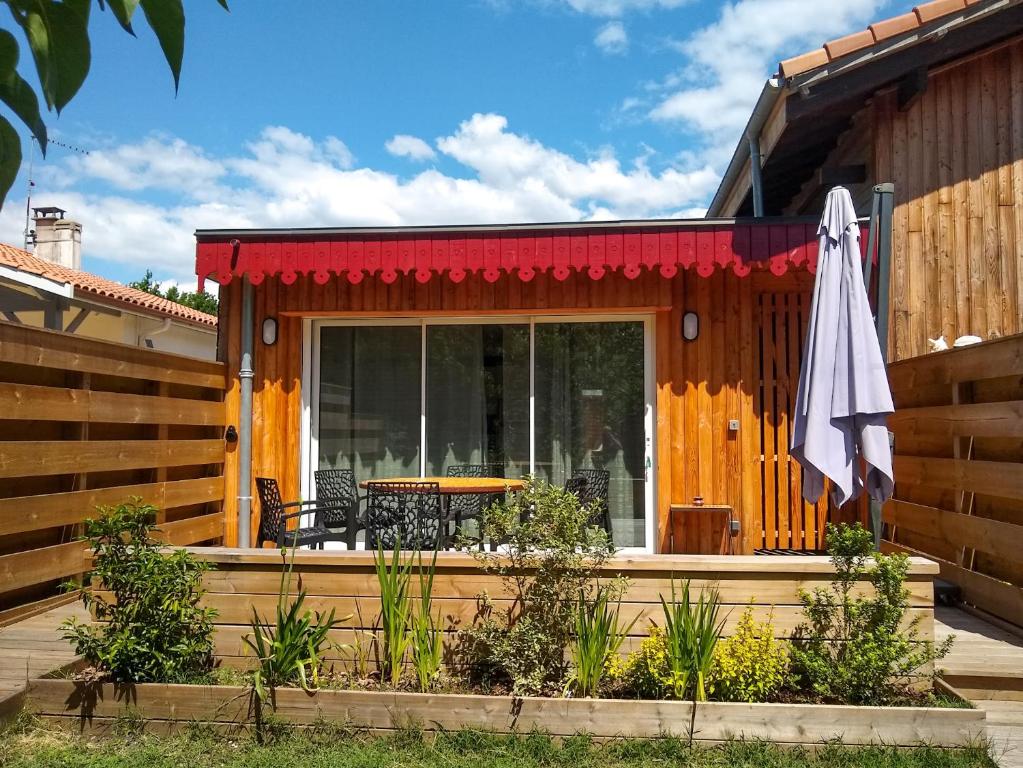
(664, 351)
(931, 100)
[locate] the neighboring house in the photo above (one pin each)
(48, 289)
(931, 100)
(666, 352)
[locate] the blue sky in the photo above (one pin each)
(379, 112)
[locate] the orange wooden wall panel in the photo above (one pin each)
(699, 385)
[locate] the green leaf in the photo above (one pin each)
(59, 38)
(10, 157)
(167, 19)
(123, 10)
(15, 92)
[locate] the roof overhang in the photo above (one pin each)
(594, 249)
(812, 109)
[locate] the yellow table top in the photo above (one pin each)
(454, 485)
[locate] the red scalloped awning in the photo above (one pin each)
(665, 248)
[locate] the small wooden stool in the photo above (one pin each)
(701, 530)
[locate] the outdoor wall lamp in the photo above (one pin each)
(270, 331)
(690, 326)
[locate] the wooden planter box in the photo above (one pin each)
(97, 708)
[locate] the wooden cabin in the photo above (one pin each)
(931, 100)
(665, 351)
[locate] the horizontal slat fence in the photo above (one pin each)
(958, 466)
(87, 423)
(347, 583)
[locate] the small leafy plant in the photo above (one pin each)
(550, 553)
(646, 671)
(599, 634)
(151, 627)
(751, 665)
(290, 650)
(426, 633)
(691, 631)
(859, 649)
(394, 579)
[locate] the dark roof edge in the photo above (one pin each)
(433, 229)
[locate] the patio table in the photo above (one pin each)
(450, 486)
(453, 486)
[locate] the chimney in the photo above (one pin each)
(57, 239)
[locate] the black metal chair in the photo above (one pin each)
(274, 517)
(410, 513)
(464, 506)
(598, 482)
(336, 489)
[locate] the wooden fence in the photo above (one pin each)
(346, 582)
(959, 469)
(85, 423)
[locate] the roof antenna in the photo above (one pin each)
(30, 233)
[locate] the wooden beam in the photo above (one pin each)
(21, 514)
(47, 349)
(1003, 540)
(38, 566)
(911, 87)
(31, 402)
(993, 478)
(77, 320)
(30, 458)
(1002, 419)
(989, 359)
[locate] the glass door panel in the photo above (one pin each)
(369, 400)
(477, 397)
(590, 413)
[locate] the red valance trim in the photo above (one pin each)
(741, 248)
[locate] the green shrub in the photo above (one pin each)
(394, 579)
(151, 627)
(599, 634)
(550, 554)
(854, 648)
(289, 650)
(646, 672)
(751, 664)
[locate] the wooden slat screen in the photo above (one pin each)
(959, 469)
(87, 423)
(786, 521)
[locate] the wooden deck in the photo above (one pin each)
(31, 648)
(986, 665)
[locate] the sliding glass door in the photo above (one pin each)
(539, 395)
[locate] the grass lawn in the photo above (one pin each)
(331, 746)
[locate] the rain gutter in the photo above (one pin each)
(744, 151)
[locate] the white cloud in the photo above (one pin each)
(612, 38)
(287, 179)
(158, 162)
(412, 147)
(728, 61)
(620, 7)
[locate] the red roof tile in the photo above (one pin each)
(99, 287)
(876, 32)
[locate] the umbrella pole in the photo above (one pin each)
(881, 227)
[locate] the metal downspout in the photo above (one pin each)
(756, 173)
(245, 376)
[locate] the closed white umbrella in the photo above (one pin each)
(843, 393)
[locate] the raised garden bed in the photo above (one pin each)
(98, 708)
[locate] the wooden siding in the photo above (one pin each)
(959, 469)
(346, 582)
(700, 385)
(955, 155)
(87, 423)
